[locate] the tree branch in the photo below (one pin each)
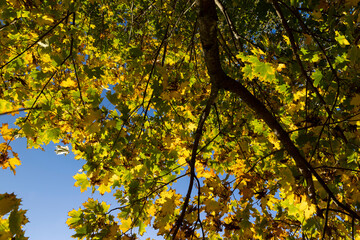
(18, 110)
(198, 134)
(208, 28)
(326, 218)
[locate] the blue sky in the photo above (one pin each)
(45, 184)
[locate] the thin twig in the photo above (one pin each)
(148, 195)
(198, 209)
(338, 168)
(18, 110)
(232, 27)
(78, 82)
(353, 229)
(38, 40)
(154, 62)
(8, 24)
(294, 47)
(326, 217)
(50, 78)
(73, 62)
(197, 138)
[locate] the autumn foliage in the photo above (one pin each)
(255, 103)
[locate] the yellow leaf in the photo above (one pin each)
(212, 205)
(206, 174)
(168, 140)
(169, 201)
(257, 51)
(104, 188)
(287, 40)
(341, 39)
(6, 235)
(192, 126)
(45, 20)
(238, 168)
(308, 39)
(14, 161)
(165, 96)
(316, 14)
(68, 83)
(46, 58)
(280, 67)
(4, 147)
(307, 208)
(112, 232)
(94, 128)
(182, 160)
(28, 58)
(5, 106)
(81, 181)
(125, 224)
(274, 140)
(152, 210)
(6, 132)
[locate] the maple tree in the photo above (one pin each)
(256, 103)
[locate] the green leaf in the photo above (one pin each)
(142, 227)
(96, 72)
(51, 135)
(317, 76)
(28, 130)
(134, 186)
(135, 52)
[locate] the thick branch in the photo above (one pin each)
(208, 28)
(260, 109)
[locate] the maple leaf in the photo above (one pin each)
(8, 202)
(104, 188)
(125, 224)
(81, 181)
(6, 132)
(68, 83)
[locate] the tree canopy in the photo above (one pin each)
(256, 103)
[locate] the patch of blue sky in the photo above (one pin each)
(45, 184)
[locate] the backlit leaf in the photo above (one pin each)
(81, 181)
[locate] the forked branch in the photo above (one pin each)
(208, 31)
